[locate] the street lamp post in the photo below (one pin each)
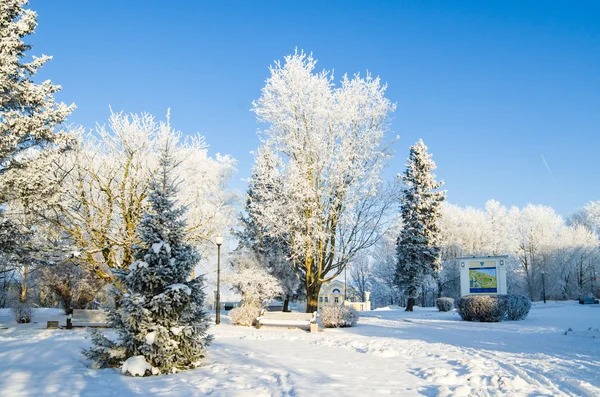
(544, 285)
(218, 241)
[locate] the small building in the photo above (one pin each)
(332, 293)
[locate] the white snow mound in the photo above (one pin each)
(150, 338)
(157, 246)
(137, 366)
(180, 287)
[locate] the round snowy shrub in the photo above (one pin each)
(338, 316)
(483, 308)
(518, 307)
(444, 304)
(244, 315)
(23, 312)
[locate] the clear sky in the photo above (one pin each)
(490, 86)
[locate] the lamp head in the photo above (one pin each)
(219, 240)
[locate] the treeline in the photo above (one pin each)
(543, 248)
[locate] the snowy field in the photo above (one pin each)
(389, 352)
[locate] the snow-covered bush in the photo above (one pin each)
(23, 312)
(444, 304)
(252, 280)
(244, 315)
(518, 306)
(486, 309)
(338, 316)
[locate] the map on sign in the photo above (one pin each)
(483, 280)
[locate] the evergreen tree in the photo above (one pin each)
(269, 249)
(28, 111)
(418, 246)
(160, 317)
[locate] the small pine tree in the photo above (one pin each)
(161, 316)
(28, 111)
(417, 246)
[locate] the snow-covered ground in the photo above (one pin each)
(388, 352)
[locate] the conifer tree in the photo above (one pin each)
(269, 249)
(418, 246)
(28, 111)
(160, 319)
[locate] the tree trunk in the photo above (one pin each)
(312, 297)
(24, 286)
(410, 305)
(286, 304)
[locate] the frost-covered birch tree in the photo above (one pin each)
(160, 319)
(29, 114)
(418, 245)
(328, 141)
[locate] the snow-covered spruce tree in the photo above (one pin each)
(269, 249)
(160, 318)
(418, 246)
(28, 111)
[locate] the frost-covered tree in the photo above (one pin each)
(360, 275)
(104, 184)
(384, 289)
(588, 217)
(418, 245)
(15, 261)
(160, 319)
(328, 144)
(269, 249)
(29, 114)
(251, 279)
(74, 286)
(538, 229)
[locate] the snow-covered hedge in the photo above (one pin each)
(244, 315)
(518, 307)
(337, 316)
(494, 308)
(487, 309)
(444, 304)
(23, 312)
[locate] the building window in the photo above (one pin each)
(326, 299)
(337, 300)
(336, 291)
(321, 299)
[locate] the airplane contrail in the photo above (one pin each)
(548, 168)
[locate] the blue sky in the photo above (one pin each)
(491, 87)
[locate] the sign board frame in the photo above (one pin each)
(483, 275)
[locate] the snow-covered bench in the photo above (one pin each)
(290, 319)
(89, 318)
(588, 300)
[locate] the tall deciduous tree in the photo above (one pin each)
(29, 113)
(418, 246)
(328, 141)
(104, 183)
(161, 317)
